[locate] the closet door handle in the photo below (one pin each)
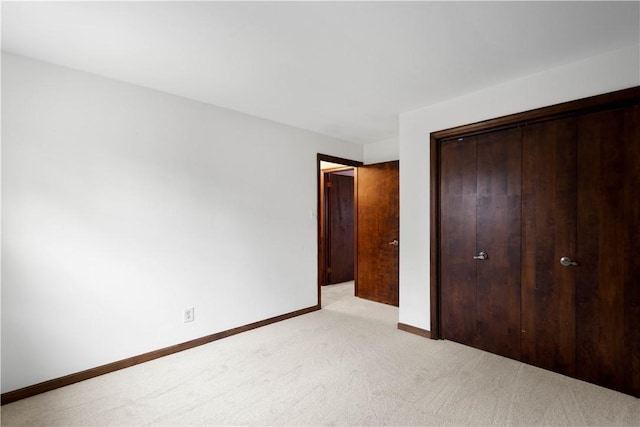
(394, 243)
(566, 261)
(482, 255)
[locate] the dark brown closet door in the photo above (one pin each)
(608, 254)
(458, 193)
(480, 213)
(548, 234)
(579, 247)
(498, 234)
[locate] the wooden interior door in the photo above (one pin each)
(498, 234)
(458, 280)
(378, 232)
(339, 193)
(480, 241)
(580, 238)
(608, 249)
(581, 184)
(549, 233)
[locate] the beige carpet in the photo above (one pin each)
(347, 364)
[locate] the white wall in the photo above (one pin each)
(381, 151)
(612, 71)
(122, 206)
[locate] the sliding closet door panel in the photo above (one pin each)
(498, 234)
(548, 234)
(458, 233)
(608, 274)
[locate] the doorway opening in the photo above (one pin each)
(338, 212)
(366, 246)
(336, 221)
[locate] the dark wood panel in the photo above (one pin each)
(498, 234)
(572, 108)
(378, 224)
(549, 233)
(608, 275)
(604, 237)
(340, 233)
(458, 188)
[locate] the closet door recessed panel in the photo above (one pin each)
(498, 235)
(608, 274)
(548, 234)
(458, 241)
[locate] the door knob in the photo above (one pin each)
(482, 255)
(394, 243)
(566, 261)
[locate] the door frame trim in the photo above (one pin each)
(322, 268)
(620, 98)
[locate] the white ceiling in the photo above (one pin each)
(345, 69)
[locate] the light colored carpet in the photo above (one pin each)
(347, 364)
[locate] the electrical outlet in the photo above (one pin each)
(189, 314)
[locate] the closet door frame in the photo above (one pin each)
(620, 98)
